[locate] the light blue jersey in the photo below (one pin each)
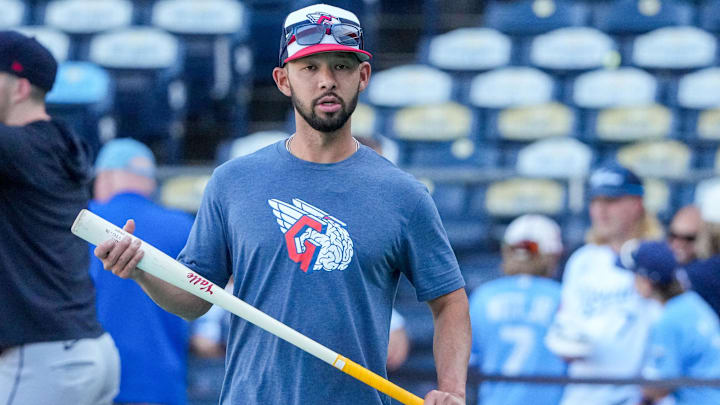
(319, 247)
(685, 342)
(510, 317)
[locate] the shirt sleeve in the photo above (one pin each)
(430, 262)
(206, 251)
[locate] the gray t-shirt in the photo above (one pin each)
(320, 247)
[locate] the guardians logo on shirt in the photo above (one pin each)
(313, 238)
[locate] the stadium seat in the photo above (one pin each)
(674, 49)
(409, 85)
(558, 157)
(82, 19)
(247, 144)
(570, 51)
(14, 13)
(697, 95)
(467, 51)
(57, 42)
(515, 104)
(710, 15)
(664, 159)
(183, 191)
(83, 97)
(438, 135)
(621, 106)
(532, 17)
(507, 199)
(511, 86)
(632, 17)
(218, 64)
(658, 199)
(146, 64)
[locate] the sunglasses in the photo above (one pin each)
(687, 237)
(313, 34)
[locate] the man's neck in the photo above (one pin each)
(322, 147)
(23, 115)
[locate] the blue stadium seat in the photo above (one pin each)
(82, 19)
(710, 15)
(557, 157)
(218, 60)
(83, 97)
(632, 17)
(532, 17)
(247, 144)
(509, 87)
(57, 42)
(146, 65)
(507, 199)
(467, 51)
(570, 51)
(674, 48)
(14, 13)
(697, 96)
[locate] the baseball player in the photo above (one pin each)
(510, 315)
(52, 348)
(685, 340)
(315, 231)
(602, 323)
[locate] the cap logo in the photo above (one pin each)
(16, 67)
(321, 18)
(602, 178)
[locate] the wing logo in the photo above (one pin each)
(315, 239)
(322, 18)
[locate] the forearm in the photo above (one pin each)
(451, 343)
(171, 298)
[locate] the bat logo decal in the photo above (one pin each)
(315, 239)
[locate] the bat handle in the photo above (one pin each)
(379, 383)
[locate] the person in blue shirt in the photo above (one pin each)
(685, 340)
(315, 231)
(510, 316)
(153, 343)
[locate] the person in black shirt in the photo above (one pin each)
(52, 348)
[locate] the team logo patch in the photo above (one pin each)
(322, 18)
(315, 239)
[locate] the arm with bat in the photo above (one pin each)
(122, 257)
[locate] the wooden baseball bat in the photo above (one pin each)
(96, 230)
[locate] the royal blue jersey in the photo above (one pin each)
(510, 317)
(685, 342)
(319, 247)
(152, 342)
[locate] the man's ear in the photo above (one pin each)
(282, 81)
(21, 90)
(365, 72)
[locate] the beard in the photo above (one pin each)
(333, 121)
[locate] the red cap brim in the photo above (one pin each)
(319, 48)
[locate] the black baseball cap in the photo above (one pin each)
(25, 57)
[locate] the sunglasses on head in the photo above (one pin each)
(687, 237)
(313, 34)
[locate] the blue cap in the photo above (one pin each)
(652, 260)
(25, 57)
(126, 154)
(613, 180)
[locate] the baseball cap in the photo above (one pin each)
(614, 180)
(534, 232)
(650, 259)
(321, 28)
(126, 154)
(25, 57)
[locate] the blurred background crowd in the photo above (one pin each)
(502, 107)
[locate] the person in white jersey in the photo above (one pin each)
(602, 324)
